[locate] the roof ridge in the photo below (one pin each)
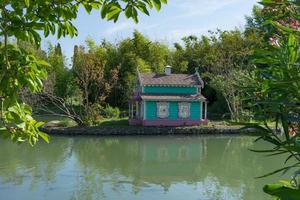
(173, 79)
(147, 73)
(170, 94)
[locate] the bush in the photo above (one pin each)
(96, 113)
(91, 116)
(110, 112)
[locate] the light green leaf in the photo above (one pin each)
(27, 3)
(43, 63)
(39, 124)
(114, 12)
(44, 136)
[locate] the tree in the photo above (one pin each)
(228, 84)
(177, 59)
(275, 92)
(130, 55)
(65, 109)
(255, 23)
(24, 20)
(282, 13)
(58, 70)
(221, 58)
(88, 70)
(230, 54)
(89, 73)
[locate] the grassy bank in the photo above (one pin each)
(66, 122)
(57, 121)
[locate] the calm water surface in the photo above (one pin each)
(196, 168)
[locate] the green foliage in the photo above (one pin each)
(88, 70)
(93, 78)
(130, 55)
(264, 19)
(275, 93)
(96, 113)
(230, 91)
(24, 20)
(114, 122)
(153, 54)
(283, 190)
(276, 96)
(111, 9)
(225, 54)
(49, 17)
(91, 115)
(59, 70)
(223, 59)
(24, 71)
(110, 112)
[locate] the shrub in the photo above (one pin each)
(110, 112)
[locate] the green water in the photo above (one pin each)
(195, 168)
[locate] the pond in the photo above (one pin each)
(196, 168)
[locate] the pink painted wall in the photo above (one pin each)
(163, 122)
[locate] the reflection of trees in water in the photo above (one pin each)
(231, 162)
(165, 161)
(39, 164)
(211, 188)
(104, 161)
(217, 167)
(107, 157)
(88, 186)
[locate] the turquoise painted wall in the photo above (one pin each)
(169, 90)
(195, 110)
(150, 110)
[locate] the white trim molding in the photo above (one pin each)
(144, 109)
(184, 110)
(162, 110)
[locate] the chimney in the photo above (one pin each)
(168, 70)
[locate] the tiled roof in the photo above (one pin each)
(172, 79)
(160, 97)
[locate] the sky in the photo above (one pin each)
(175, 20)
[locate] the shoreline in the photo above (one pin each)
(147, 131)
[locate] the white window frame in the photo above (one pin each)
(162, 115)
(180, 109)
(163, 154)
(183, 153)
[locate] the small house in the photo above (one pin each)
(168, 100)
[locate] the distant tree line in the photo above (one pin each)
(104, 74)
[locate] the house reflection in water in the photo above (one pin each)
(134, 168)
(196, 164)
(164, 163)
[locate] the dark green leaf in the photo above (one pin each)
(157, 4)
(282, 191)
